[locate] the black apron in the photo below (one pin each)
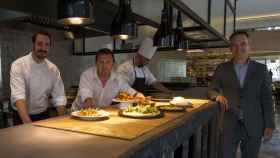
(139, 82)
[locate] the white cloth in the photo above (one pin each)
(107, 46)
(91, 87)
(127, 69)
(35, 83)
(147, 49)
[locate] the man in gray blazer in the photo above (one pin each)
(243, 89)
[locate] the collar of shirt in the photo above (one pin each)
(241, 65)
(241, 71)
(34, 62)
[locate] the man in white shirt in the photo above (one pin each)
(135, 71)
(33, 80)
(100, 84)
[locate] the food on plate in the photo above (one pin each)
(171, 108)
(88, 112)
(180, 101)
(143, 108)
(124, 96)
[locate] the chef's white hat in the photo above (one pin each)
(147, 49)
(108, 46)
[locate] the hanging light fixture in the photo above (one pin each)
(124, 24)
(75, 12)
(164, 36)
(181, 42)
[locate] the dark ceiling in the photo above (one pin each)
(44, 13)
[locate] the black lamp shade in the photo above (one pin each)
(181, 42)
(75, 12)
(124, 25)
(164, 37)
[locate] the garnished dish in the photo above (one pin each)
(171, 108)
(90, 114)
(181, 101)
(141, 109)
(124, 97)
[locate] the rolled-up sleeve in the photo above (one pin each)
(58, 93)
(85, 87)
(17, 83)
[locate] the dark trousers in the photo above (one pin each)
(41, 116)
(249, 145)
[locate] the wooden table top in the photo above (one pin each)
(38, 142)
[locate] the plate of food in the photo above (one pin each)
(161, 99)
(141, 110)
(181, 101)
(171, 108)
(124, 97)
(90, 114)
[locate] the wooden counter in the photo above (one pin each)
(37, 142)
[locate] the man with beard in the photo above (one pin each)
(33, 80)
(135, 71)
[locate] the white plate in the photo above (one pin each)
(184, 102)
(124, 101)
(99, 116)
(140, 115)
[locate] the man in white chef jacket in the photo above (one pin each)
(33, 80)
(100, 84)
(135, 71)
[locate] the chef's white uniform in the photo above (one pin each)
(129, 72)
(35, 83)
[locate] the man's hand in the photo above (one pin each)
(223, 102)
(22, 111)
(61, 110)
(140, 95)
(267, 134)
(88, 103)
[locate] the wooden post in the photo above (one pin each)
(212, 138)
(185, 151)
(204, 141)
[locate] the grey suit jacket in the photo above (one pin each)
(255, 98)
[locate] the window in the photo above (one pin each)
(172, 69)
(273, 65)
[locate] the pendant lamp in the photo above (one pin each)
(75, 12)
(163, 36)
(124, 24)
(181, 42)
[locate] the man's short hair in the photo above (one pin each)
(41, 33)
(238, 33)
(105, 51)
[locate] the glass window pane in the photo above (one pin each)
(217, 15)
(229, 21)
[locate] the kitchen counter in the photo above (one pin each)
(38, 142)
